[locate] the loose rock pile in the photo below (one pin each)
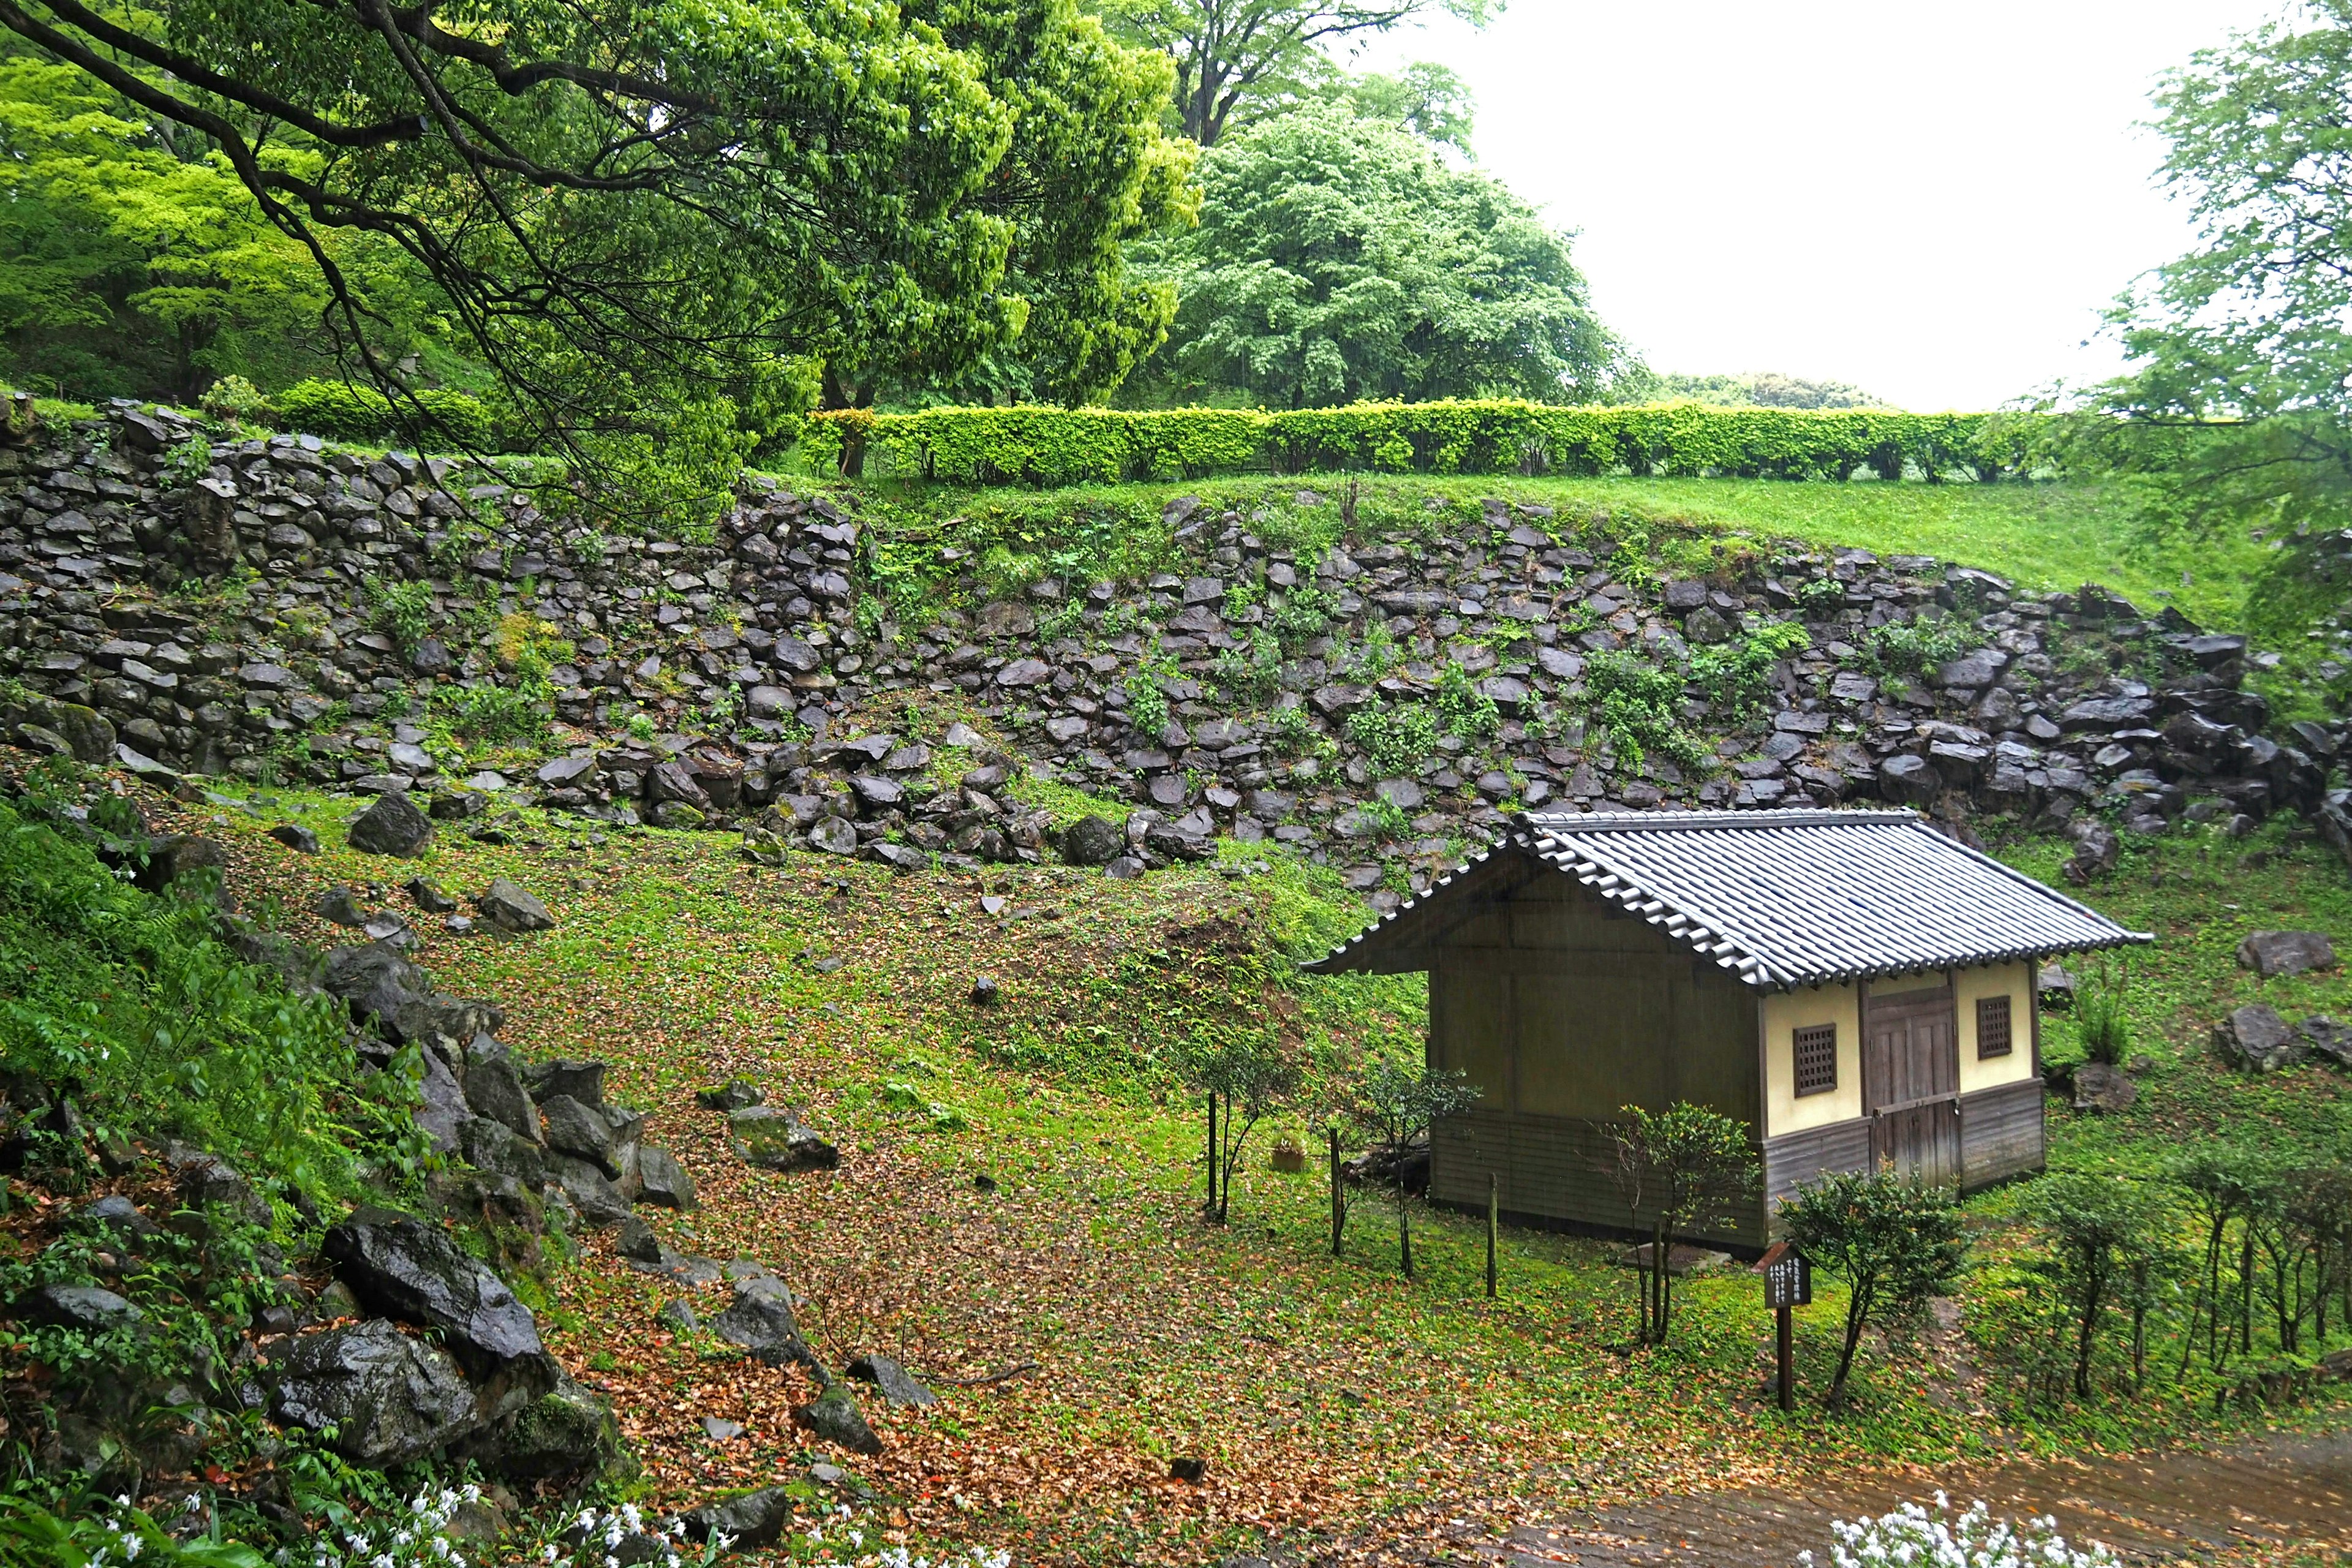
(2072, 703)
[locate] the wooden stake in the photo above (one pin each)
(1785, 1333)
(1494, 1219)
(1339, 1199)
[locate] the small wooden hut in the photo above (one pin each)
(1854, 986)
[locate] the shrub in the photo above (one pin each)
(1895, 1242)
(403, 609)
(1044, 446)
(1914, 646)
(1250, 675)
(2104, 1241)
(134, 996)
(188, 462)
(1394, 736)
(493, 715)
(1146, 703)
(234, 400)
(1305, 613)
(2100, 1022)
(1638, 707)
(1737, 675)
(1292, 729)
(345, 412)
(1466, 711)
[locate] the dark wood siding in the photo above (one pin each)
(1555, 1168)
(2000, 1134)
(1795, 1158)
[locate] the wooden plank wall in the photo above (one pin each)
(1552, 1169)
(2000, 1134)
(1795, 1158)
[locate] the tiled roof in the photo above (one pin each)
(1785, 898)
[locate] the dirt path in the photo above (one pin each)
(2274, 1491)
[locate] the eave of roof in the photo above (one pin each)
(1574, 843)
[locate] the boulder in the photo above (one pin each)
(86, 733)
(897, 1386)
(406, 1269)
(774, 1139)
(443, 1110)
(2326, 1040)
(833, 1415)
(2271, 954)
(296, 837)
(1092, 841)
(759, 1319)
(591, 1191)
(390, 1399)
(750, 1521)
(569, 1434)
(91, 1309)
(509, 908)
(2102, 1088)
(495, 1090)
(1908, 780)
(662, 1180)
(834, 835)
(581, 1078)
(581, 1130)
(2095, 850)
(735, 1094)
(393, 825)
(427, 896)
(340, 906)
(2256, 1038)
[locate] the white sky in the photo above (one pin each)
(1933, 200)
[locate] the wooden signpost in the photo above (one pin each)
(1787, 1284)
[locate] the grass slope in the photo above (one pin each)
(1330, 1397)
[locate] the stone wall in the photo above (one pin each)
(216, 609)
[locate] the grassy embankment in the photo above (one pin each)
(1321, 1390)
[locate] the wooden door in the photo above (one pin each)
(1911, 1083)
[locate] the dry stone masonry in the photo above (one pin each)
(736, 683)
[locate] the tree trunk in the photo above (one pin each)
(1339, 1196)
(1404, 1235)
(2246, 1287)
(1209, 1209)
(1857, 1314)
(2094, 1286)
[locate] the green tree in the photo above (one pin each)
(132, 262)
(1681, 1171)
(1087, 170)
(1425, 98)
(2104, 1240)
(1238, 61)
(1762, 389)
(1398, 1106)
(1243, 1073)
(1895, 1241)
(1338, 258)
(2237, 400)
(641, 217)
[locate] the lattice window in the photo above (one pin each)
(1993, 1027)
(1816, 1051)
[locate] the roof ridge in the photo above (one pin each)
(1677, 820)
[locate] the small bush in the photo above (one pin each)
(1915, 647)
(1293, 731)
(2100, 1023)
(1737, 675)
(1305, 613)
(188, 462)
(1250, 675)
(1638, 706)
(1395, 737)
(1946, 1539)
(343, 412)
(404, 610)
(1466, 711)
(234, 401)
(1146, 703)
(492, 715)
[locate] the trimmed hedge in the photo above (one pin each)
(1041, 445)
(343, 412)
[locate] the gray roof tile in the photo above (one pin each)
(1789, 898)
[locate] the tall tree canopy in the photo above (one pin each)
(1088, 169)
(637, 212)
(1238, 61)
(2238, 400)
(1339, 259)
